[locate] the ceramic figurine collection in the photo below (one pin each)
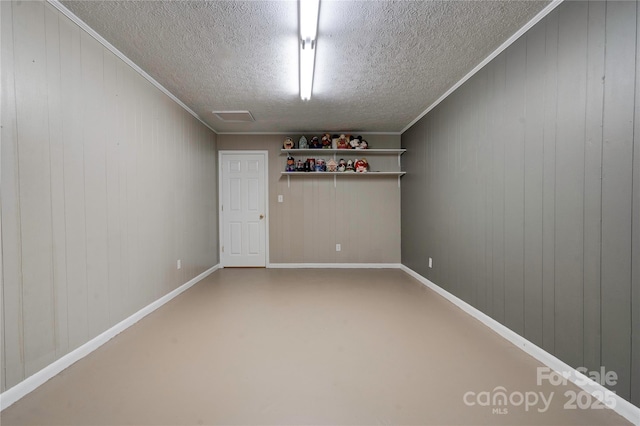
(328, 141)
(320, 165)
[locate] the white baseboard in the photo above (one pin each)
(622, 406)
(336, 265)
(13, 394)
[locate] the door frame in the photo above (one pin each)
(265, 153)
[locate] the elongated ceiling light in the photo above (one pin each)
(308, 23)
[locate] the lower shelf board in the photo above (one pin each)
(341, 174)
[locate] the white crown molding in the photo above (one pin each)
(622, 406)
(32, 382)
(544, 12)
(119, 54)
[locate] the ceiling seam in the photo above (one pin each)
(544, 12)
(83, 25)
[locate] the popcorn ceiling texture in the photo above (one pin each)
(379, 64)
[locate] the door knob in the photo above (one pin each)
(261, 216)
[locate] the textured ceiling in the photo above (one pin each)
(379, 64)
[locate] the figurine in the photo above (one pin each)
(342, 165)
(302, 143)
(290, 165)
(350, 165)
(362, 166)
(363, 144)
(326, 140)
(354, 142)
(315, 143)
(343, 142)
(288, 143)
(334, 141)
(300, 166)
(321, 166)
(332, 166)
(311, 165)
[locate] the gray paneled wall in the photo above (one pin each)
(523, 187)
(106, 182)
(360, 213)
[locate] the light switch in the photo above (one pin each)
(280, 198)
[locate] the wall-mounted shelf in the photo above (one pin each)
(316, 174)
(345, 151)
(336, 153)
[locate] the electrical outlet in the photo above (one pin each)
(179, 264)
(430, 263)
(280, 198)
(338, 247)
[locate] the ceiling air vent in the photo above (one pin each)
(234, 116)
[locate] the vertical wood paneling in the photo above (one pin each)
(572, 55)
(593, 184)
(74, 191)
(533, 183)
(483, 204)
(562, 207)
(488, 194)
(79, 147)
(635, 244)
(2, 353)
(498, 183)
(548, 184)
(514, 186)
(466, 182)
(617, 163)
(35, 184)
(11, 244)
(56, 146)
(112, 174)
(93, 134)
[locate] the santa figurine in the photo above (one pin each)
(343, 142)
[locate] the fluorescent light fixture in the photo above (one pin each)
(307, 63)
(309, 19)
(308, 23)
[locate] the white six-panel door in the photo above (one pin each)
(243, 209)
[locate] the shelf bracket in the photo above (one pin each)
(288, 181)
(335, 178)
(398, 181)
(399, 162)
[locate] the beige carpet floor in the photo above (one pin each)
(330, 347)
